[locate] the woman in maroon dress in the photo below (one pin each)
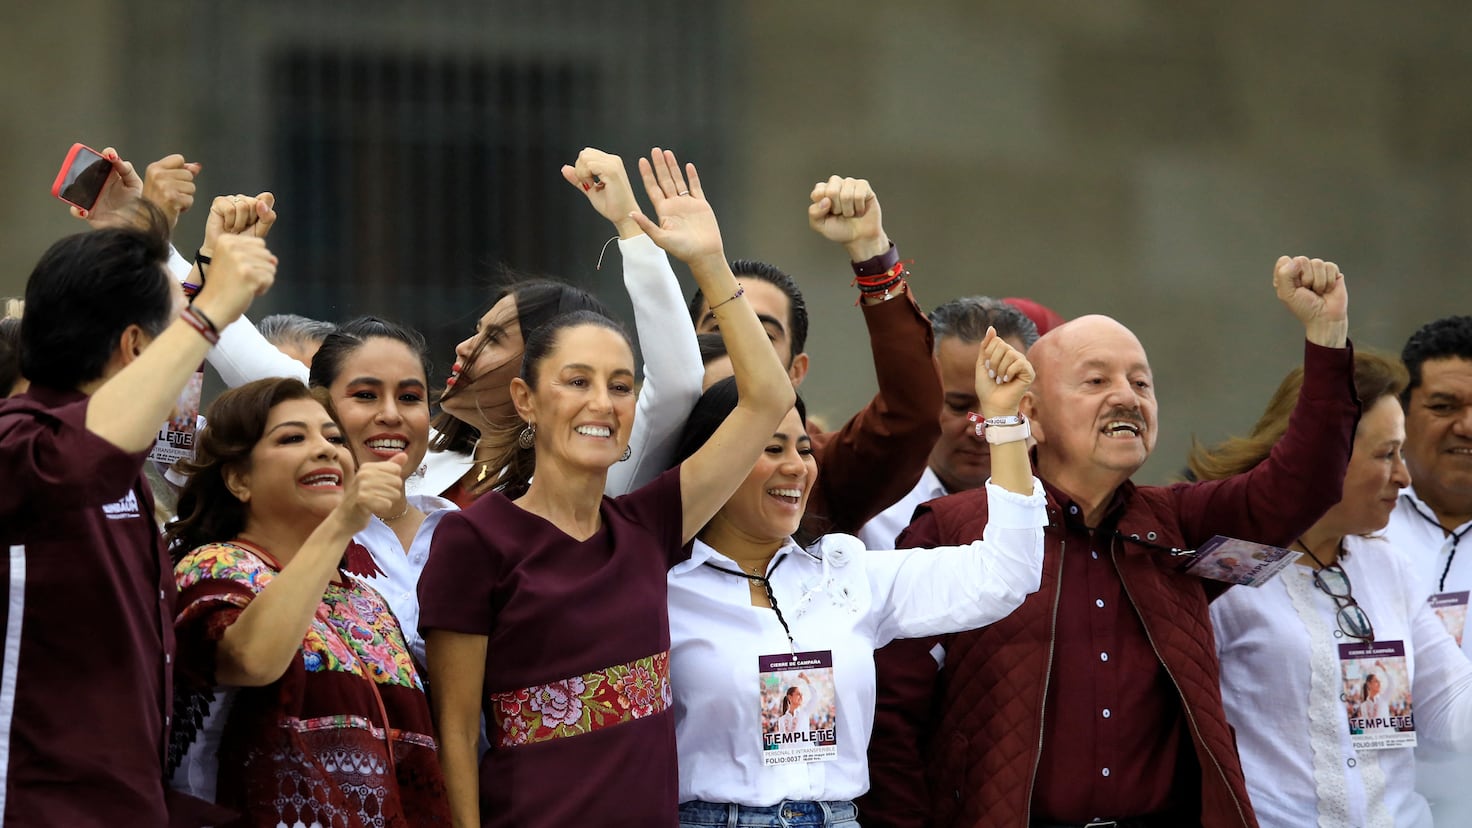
(543, 604)
(315, 714)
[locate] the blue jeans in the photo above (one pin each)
(788, 814)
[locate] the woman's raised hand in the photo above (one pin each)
(687, 226)
(1003, 375)
(375, 489)
(602, 178)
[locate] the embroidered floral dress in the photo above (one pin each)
(311, 748)
(577, 695)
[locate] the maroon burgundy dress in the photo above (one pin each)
(577, 694)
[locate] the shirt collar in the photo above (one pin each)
(1420, 506)
(54, 397)
(930, 486)
(701, 552)
(1073, 513)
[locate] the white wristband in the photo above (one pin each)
(1009, 433)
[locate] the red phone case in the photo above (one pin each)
(58, 186)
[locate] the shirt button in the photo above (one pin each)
(1073, 510)
(168, 658)
(1103, 656)
(1105, 771)
(1351, 762)
(1099, 602)
(1107, 713)
(162, 596)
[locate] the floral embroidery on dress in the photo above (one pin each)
(353, 631)
(583, 704)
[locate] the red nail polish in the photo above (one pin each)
(586, 188)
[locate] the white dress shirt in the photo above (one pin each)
(400, 579)
(838, 596)
(882, 529)
(1443, 777)
(1281, 683)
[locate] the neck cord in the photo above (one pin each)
(766, 582)
(1315, 558)
(1456, 538)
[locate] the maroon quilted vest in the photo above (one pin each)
(990, 717)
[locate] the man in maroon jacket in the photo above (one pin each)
(107, 343)
(1097, 702)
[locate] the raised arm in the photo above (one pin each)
(127, 409)
(688, 231)
(898, 427)
(243, 355)
(931, 591)
(1282, 496)
(672, 368)
(256, 649)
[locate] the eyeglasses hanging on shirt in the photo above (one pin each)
(1333, 581)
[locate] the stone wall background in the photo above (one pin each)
(1140, 158)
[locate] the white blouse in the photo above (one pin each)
(1281, 683)
(838, 596)
(399, 581)
(1444, 778)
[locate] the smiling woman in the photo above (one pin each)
(1305, 757)
(772, 636)
(543, 602)
(293, 674)
(376, 374)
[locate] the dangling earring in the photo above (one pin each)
(528, 436)
(628, 452)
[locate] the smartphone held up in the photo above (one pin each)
(82, 178)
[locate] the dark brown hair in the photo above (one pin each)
(538, 301)
(514, 462)
(208, 512)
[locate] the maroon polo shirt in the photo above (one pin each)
(1114, 718)
(86, 676)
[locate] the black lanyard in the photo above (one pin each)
(766, 582)
(1455, 536)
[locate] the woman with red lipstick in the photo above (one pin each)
(477, 399)
(543, 603)
(1292, 683)
(773, 639)
(311, 710)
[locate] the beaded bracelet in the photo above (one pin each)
(740, 291)
(882, 284)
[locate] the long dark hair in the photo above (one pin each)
(208, 511)
(712, 409)
(538, 301)
(347, 338)
(516, 463)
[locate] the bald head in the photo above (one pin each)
(1065, 342)
(1092, 405)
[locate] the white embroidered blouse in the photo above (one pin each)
(1281, 683)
